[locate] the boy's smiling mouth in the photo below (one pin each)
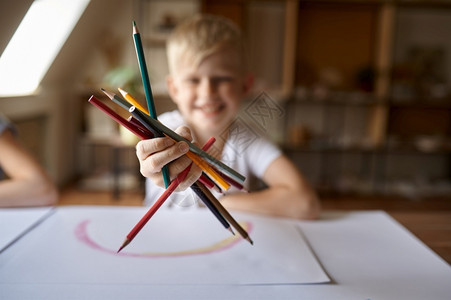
(211, 109)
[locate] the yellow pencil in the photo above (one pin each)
(133, 101)
(193, 156)
(208, 170)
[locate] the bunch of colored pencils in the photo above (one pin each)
(144, 124)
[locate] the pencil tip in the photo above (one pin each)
(250, 241)
(123, 93)
(218, 189)
(110, 95)
(135, 28)
(124, 244)
(231, 230)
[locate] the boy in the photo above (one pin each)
(208, 80)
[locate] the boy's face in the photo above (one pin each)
(209, 95)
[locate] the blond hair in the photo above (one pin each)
(201, 36)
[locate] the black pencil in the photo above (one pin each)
(225, 213)
(206, 200)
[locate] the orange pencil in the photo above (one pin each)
(141, 117)
(211, 172)
(133, 101)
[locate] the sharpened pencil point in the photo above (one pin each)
(124, 244)
(231, 230)
(250, 241)
(109, 95)
(218, 189)
(134, 23)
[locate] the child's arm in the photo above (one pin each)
(288, 194)
(153, 154)
(27, 183)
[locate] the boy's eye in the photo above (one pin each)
(192, 80)
(221, 79)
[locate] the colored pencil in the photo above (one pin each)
(133, 128)
(140, 131)
(208, 203)
(133, 101)
(116, 99)
(126, 105)
(232, 182)
(144, 119)
(136, 130)
(225, 213)
(140, 126)
(195, 149)
(137, 228)
(143, 69)
(204, 179)
(205, 199)
(147, 87)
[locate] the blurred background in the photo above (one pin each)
(357, 92)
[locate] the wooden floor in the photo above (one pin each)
(427, 219)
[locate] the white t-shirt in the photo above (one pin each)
(245, 151)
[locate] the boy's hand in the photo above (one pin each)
(153, 154)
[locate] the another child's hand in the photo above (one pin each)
(153, 154)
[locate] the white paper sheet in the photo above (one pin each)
(78, 245)
(368, 255)
(15, 222)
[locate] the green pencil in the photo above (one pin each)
(126, 105)
(143, 69)
(157, 126)
(147, 88)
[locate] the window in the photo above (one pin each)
(35, 44)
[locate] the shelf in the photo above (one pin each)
(420, 146)
(330, 149)
(357, 98)
(422, 103)
(400, 148)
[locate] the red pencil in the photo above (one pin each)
(135, 128)
(231, 181)
(139, 130)
(99, 104)
(155, 207)
(140, 126)
(161, 200)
